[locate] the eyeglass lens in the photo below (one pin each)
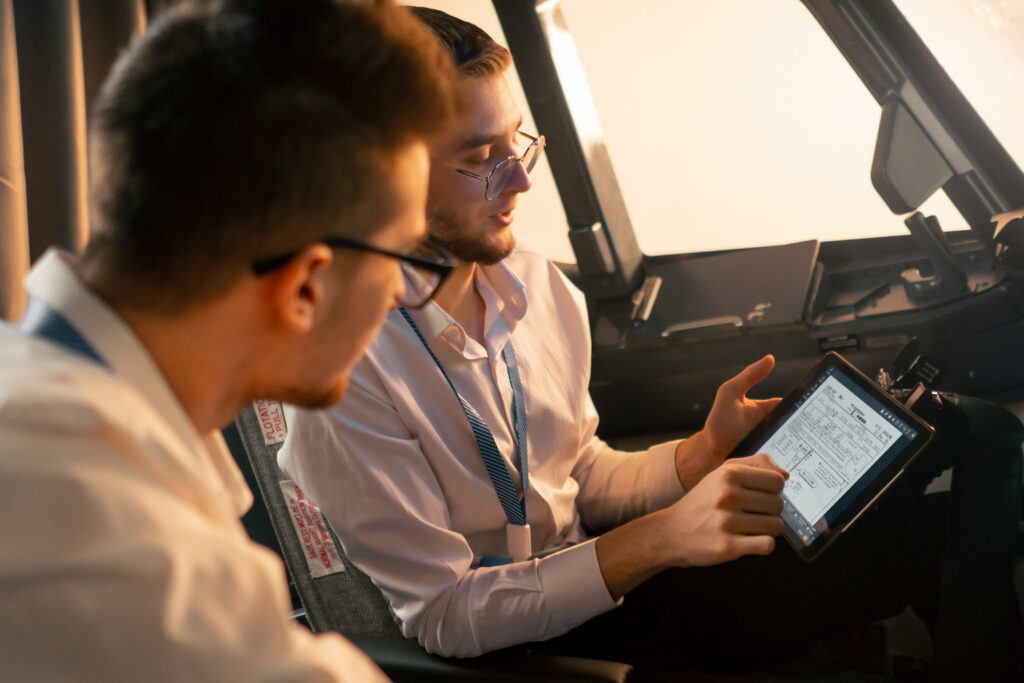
(504, 171)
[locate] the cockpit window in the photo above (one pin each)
(737, 123)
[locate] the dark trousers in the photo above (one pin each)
(948, 555)
(758, 612)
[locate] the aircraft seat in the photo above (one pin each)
(347, 601)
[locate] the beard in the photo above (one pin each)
(452, 233)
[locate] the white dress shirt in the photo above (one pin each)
(122, 557)
(396, 470)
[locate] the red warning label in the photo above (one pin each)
(271, 418)
(311, 528)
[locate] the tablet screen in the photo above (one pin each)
(842, 440)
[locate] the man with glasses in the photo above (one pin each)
(256, 184)
(424, 268)
(463, 473)
(462, 470)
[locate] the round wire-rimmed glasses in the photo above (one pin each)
(424, 268)
(497, 180)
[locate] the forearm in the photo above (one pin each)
(695, 457)
(733, 511)
(632, 553)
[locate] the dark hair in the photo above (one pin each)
(237, 129)
(475, 53)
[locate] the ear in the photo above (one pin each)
(298, 288)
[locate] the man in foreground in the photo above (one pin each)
(258, 183)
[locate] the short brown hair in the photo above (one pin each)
(237, 129)
(475, 53)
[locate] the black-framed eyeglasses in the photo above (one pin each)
(497, 180)
(424, 268)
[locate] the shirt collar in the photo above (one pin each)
(503, 294)
(54, 281)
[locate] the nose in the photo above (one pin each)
(520, 180)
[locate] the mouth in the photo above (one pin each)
(504, 218)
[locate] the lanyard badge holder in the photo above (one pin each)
(517, 531)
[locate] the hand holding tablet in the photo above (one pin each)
(843, 441)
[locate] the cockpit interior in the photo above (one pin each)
(721, 180)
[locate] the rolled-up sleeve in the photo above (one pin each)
(617, 486)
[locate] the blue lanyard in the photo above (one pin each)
(43, 321)
(514, 505)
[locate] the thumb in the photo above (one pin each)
(765, 461)
(766, 405)
(749, 376)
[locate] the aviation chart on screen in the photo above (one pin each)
(831, 441)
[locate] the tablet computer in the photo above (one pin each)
(843, 441)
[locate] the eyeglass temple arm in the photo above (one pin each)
(468, 173)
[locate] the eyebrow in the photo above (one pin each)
(485, 139)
